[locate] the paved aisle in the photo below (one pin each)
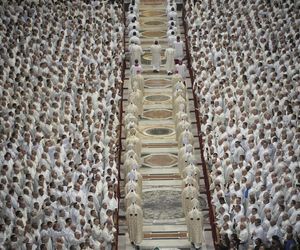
(164, 222)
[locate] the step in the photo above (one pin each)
(159, 171)
(157, 106)
(148, 122)
(161, 177)
(151, 150)
(162, 183)
(164, 228)
(166, 235)
(157, 141)
(176, 243)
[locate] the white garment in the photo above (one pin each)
(156, 60)
(182, 70)
(136, 53)
(178, 46)
(170, 56)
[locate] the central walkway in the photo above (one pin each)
(164, 222)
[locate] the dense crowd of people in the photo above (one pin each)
(61, 73)
(245, 59)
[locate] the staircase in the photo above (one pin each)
(164, 222)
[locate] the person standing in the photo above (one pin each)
(136, 52)
(178, 47)
(140, 80)
(134, 38)
(182, 70)
(188, 194)
(136, 67)
(243, 236)
(156, 60)
(195, 227)
(171, 39)
(134, 216)
(170, 57)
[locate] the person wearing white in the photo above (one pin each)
(178, 47)
(136, 53)
(170, 57)
(182, 70)
(156, 59)
(243, 237)
(135, 68)
(171, 39)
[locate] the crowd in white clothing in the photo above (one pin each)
(61, 72)
(245, 59)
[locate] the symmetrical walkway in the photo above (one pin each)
(164, 222)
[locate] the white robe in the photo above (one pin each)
(178, 47)
(156, 60)
(132, 197)
(188, 194)
(135, 69)
(136, 53)
(195, 227)
(170, 56)
(140, 80)
(182, 70)
(134, 216)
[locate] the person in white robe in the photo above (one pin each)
(134, 38)
(135, 176)
(156, 58)
(135, 68)
(170, 60)
(176, 78)
(182, 70)
(129, 162)
(132, 197)
(131, 121)
(182, 125)
(172, 14)
(131, 15)
(194, 220)
(178, 47)
(140, 80)
(135, 52)
(191, 170)
(137, 98)
(186, 137)
(180, 85)
(273, 230)
(188, 193)
(243, 236)
(133, 139)
(134, 217)
(171, 39)
(184, 153)
(178, 92)
(131, 33)
(180, 100)
(131, 185)
(132, 108)
(134, 23)
(189, 180)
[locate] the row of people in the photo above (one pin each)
(186, 159)
(133, 145)
(186, 162)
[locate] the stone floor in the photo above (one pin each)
(164, 222)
